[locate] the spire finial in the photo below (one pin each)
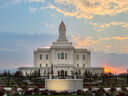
(62, 24)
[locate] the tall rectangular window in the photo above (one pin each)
(77, 57)
(83, 65)
(46, 65)
(40, 56)
(40, 65)
(65, 55)
(77, 65)
(46, 57)
(58, 55)
(83, 57)
(62, 55)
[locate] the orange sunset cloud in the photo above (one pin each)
(109, 69)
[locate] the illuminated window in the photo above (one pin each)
(83, 57)
(62, 55)
(46, 57)
(40, 56)
(77, 57)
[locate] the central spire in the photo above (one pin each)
(62, 32)
(62, 40)
(62, 24)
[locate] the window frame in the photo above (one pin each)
(83, 65)
(46, 56)
(83, 57)
(62, 55)
(58, 55)
(40, 65)
(40, 56)
(46, 65)
(65, 55)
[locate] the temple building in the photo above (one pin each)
(62, 59)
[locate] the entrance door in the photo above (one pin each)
(62, 74)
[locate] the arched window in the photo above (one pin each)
(62, 55)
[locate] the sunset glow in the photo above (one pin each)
(100, 26)
(109, 69)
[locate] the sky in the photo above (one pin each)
(98, 25)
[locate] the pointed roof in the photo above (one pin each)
(62, 24)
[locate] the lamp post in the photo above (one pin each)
(127, 76)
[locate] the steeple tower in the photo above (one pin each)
(62, 40)
(62, 32)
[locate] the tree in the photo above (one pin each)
(5, 73)
(38, 73)
(18, 74)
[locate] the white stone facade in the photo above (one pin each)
(61, 58)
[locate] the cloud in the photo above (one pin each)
(117, 63)
(114, 38)
(89, 8)
(4, 3)
(125, 50)
(99, 27)
(32, 10)
(49, 25)
(31, 1)
(16, 49)
(105, 39)
(81, 8)
(108, 68)
(82, 42)
(65, 13)
(108, 46)
(120, 38)
(105, 44)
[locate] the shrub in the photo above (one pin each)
(44, 92)
(28, 92)
(52, 92)
(80, 92)
(36, 91)
(100, 92)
